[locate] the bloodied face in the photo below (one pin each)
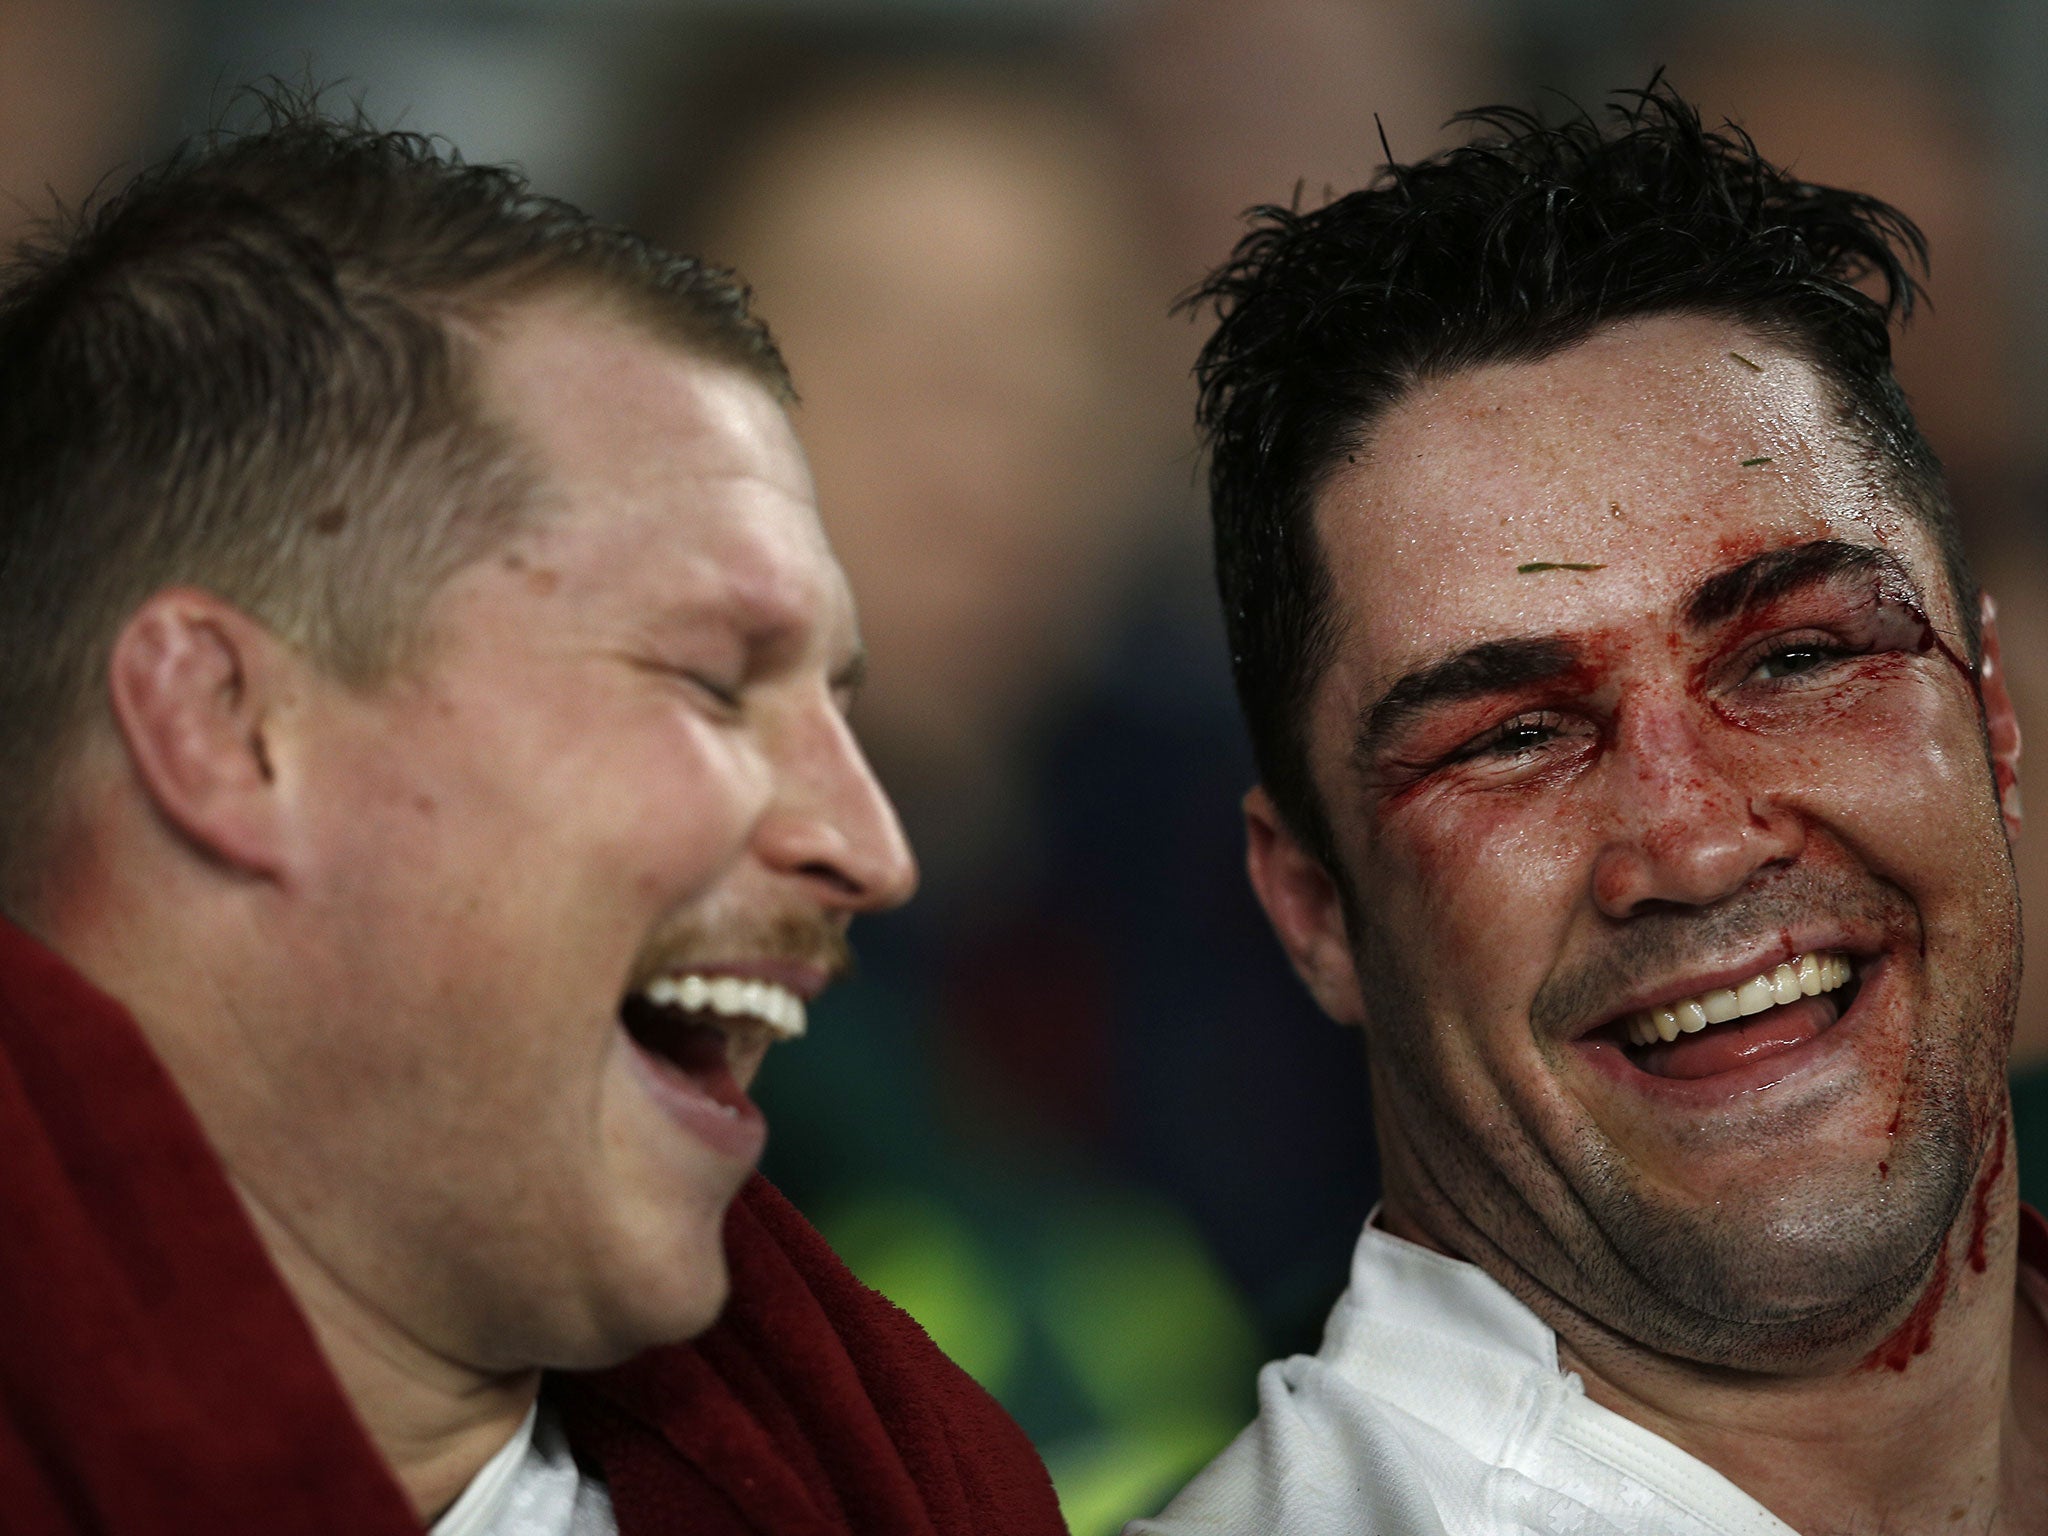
(1673, 890)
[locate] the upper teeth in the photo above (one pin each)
(1801, 976)
(731, 997)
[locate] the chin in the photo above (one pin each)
(691, 1315)
(1779, 1291)
(672, 1299)
(643, 1299)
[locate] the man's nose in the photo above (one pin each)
(831, 824)
(1690, 824)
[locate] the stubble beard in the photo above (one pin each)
(1772, 1283)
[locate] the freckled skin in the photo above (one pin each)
(1679, 817)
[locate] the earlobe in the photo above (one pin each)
(190, 681)
(1305, 908)
(2001, 725)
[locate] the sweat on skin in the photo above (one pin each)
(1646, 682)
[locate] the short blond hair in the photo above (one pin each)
(254, 370)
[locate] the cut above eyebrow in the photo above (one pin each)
(1494, 667)
(1779, 571)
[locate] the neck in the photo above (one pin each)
(435, 1420)
(1941, 1424)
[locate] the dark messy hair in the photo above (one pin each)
(1509, 249)
(255, 370)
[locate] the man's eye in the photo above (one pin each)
(1793, 661)
(725, 695)
(1519, 737)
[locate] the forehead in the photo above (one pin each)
(1658, 451)
(658, 467)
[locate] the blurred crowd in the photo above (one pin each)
(1074, 1113)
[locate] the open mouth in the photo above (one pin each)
(1729, 1027)
(712, 1030)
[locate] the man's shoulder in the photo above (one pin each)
(1321, 1457)
(1436, 1406)
(1426, 1367)
(142, 1307)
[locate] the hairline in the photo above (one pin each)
(474, 328)
(468, 318)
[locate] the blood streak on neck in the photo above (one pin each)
(1980, 1218)
(1916, 1334)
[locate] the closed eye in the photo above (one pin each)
(718, 695)
(725, 695)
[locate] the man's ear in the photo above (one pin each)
(195, 684)
(1305, 908)
(2001, 725)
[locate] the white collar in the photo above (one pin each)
(1446, 1343)
(484, 1499)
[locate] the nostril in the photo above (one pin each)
(830, 874)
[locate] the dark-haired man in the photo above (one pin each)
(1637, 772)
(426, 794)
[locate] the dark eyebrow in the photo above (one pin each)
(1500, 666)
(1494, 667)
(1777, 572)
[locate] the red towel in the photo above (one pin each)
(814, 1406)
(156, 1378)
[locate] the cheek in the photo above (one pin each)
(709, 782)
(620, 784)
(1476, 891)
(653, 824)
(1483, 884)
(1903, 780)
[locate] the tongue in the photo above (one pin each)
(698, 1052)
(681, 1045)
(1724, 1047)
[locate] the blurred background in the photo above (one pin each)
(1074, 1113)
